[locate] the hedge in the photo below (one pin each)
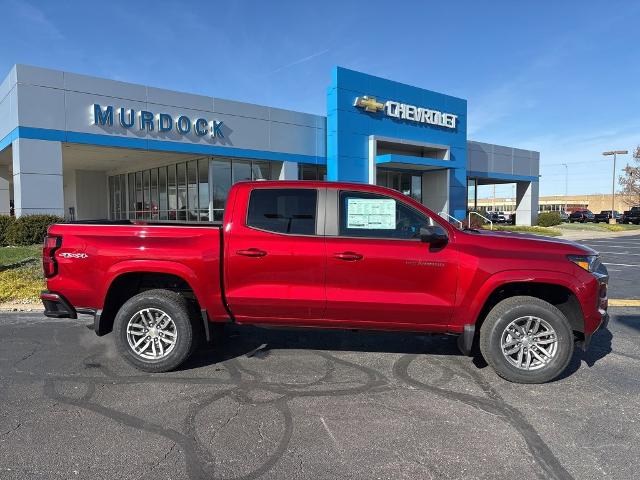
(549, 219)
(26, 230)
(5, 223)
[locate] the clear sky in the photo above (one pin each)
(558, 77)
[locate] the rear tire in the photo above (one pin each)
(156, 330)
(526, 340)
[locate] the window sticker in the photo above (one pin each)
(371, 213)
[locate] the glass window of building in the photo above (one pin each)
(220, 183)
(312, 172)
(192, 191)
(162, 193)
(203, 189)
(260, 170)
(146, 176)
(241, 171)
(153, 202)
(139, 208)
(196, 190)
(132, 195)
(406, 182)
(172, 194)
(181, 178)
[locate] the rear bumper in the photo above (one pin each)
(56, 306)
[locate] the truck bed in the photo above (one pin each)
(94, 253)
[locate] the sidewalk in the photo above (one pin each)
(590, 234)
(21, 307)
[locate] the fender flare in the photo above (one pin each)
(152, 266)
(468, 311)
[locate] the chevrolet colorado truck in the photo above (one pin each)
(631, 216)
(327, 255)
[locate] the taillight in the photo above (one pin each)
(49, 264)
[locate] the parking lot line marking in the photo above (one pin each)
(620, 264)
(618, 253)
(615, 246)
(623, 302)
(632, 244)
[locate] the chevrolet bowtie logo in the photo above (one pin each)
(370, 104)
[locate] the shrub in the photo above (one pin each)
(30, 229)
(549, 219)
(5, 224)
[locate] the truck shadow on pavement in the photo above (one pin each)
(236, 341)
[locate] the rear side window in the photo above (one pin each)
(283, 210)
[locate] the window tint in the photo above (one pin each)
(283, 210)
(376, 216)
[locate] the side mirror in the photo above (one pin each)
(435, 236)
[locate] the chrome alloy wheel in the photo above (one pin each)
(151, 334)
(529, 343)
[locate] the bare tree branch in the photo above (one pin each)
(630, 181)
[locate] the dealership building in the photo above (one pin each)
(84, 147)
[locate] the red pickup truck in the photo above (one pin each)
(327, 255)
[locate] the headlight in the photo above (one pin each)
(588, 262)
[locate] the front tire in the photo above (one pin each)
(155, 330)
(526, 340)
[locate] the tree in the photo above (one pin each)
(630, 181)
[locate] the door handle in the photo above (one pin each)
(252, 252)
(348, 256)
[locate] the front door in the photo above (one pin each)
(275, 256)
(379, 273)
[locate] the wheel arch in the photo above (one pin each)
(555, 293)
(130, 278)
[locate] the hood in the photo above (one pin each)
(520, 241)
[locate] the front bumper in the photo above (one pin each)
(601, 320)
(56, 306)
(586, 341)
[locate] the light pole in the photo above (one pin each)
(566, 185)
(613, 183)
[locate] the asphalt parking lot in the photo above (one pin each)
(621, 255)
(316, 404)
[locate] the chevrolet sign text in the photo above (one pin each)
(405, 111)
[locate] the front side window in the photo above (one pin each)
(283, 210)
(377, 216)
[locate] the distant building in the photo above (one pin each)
(557, 203)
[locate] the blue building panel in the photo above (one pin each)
(349, 127)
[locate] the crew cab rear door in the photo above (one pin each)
(379, 273)
(275, 255)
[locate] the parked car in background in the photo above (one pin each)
(631, 216)
(582, 216)
(564, 216)
(605, 216)
(496, 216)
